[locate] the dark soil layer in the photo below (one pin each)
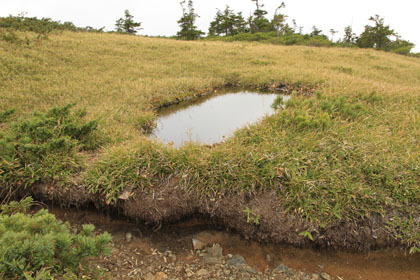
(169, 203)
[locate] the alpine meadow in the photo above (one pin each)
(337, 166)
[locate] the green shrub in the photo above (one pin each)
(278, 102)
(304, 120)
(40, 26)
(5, 115)
(271, 37)
(44, 146)
(338, 106)
(38, 245)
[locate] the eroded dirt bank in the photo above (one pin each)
(180, 251)
(260, 216)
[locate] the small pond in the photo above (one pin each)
(208, 120)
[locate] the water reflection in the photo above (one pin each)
(209, 120)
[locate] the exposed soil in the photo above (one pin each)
(170, 202)
(141, 253)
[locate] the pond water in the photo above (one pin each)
(210, 119)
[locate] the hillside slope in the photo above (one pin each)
(339, 166)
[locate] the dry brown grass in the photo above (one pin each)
(117, 77)
(327, 165)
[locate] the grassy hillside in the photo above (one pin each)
(346, 151)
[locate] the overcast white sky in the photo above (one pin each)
(159, 17)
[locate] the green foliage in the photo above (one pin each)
(17, 206)
(5, 115)
(406, 229)
(301, 120)
(127, 25)
(349, 37)
(306, 234)
(258, 22)
(40, 26)
(187, 23)
(278, 102)
(282, 39)
(279, 20)
(279, 32)
(44, 146)
(380, 36)
(38, 246)
(227, 23)
(316, 31)
(252, 218)
(401, 47)
(118, 170)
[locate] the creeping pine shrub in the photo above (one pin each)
(40, 26)
(44, 146)
(5, 115)
(278, 103)
(38, 245)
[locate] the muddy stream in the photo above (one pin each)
(136, 244)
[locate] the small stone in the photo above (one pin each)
(160, 276)
(202, 272)
(213, 255)
(128, 236)
(198, 244)
(249, 269)
(226, 272)
(236, 260)
(125, 195)
(189, 272)
(149, 276)
(314, 276)
(268, 258)
(281, 268)
(239, 262)
(325, 276)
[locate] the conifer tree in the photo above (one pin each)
(349, 36)
(316, 31)
(187, 22)
(227, 23)
(127, 25)
(278, 21)
(376, 36)
(380, 37)
(258, 22)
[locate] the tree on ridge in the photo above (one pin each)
(127, 25)
(187, 22)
